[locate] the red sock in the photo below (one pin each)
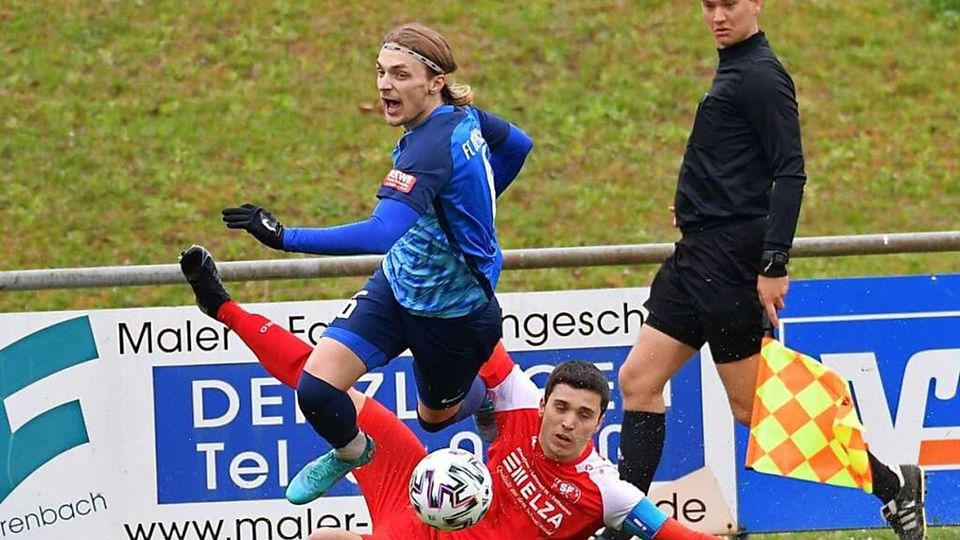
(384, 480)
(673, 530)
(280, 352)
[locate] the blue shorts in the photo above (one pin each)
(447, 353)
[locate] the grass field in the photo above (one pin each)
(126, 125)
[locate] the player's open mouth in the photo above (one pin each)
(564, 439)
(390, 106)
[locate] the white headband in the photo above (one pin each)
(426, 61)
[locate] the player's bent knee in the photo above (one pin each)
(314, 393)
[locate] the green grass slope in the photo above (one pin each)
(125, 126)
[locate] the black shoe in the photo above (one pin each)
(199, 268)
(905, 513)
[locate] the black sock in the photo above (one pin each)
(641, 444)
(886, 483)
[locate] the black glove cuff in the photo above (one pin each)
(276, 241)
(267, 229)
(773, 264)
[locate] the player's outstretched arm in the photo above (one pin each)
(374, 235)
(650, 523)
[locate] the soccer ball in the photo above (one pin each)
(450, 489)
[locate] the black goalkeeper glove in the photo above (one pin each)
(256, 221)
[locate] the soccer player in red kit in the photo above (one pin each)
(549, 482)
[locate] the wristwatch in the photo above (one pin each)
(773, 264)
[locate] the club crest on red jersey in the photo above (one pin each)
(567, 490)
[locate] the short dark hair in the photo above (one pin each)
(583, 376)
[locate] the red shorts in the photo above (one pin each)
(384, 480)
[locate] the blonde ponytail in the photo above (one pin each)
(457, 94)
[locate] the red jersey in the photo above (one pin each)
(535, 497)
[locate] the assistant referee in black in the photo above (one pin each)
(737, 204)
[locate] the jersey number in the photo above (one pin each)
(351, 305)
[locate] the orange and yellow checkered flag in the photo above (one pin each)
(804, 424)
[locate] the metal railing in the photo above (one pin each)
(515, 259)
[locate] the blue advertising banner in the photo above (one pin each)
(230, 432)
(898, 341)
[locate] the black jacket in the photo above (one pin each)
(744, 158)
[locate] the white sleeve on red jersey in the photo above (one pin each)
(619, 496)
(508, 386)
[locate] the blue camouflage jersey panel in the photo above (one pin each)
(442, 170)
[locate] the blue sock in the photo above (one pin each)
(471, 402)
(328, 409)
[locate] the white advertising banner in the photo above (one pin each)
(158, 423)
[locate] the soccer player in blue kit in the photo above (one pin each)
(434, 291)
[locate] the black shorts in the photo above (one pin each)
(447, 353)
(706, 291)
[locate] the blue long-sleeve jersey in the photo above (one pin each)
(436, 212)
